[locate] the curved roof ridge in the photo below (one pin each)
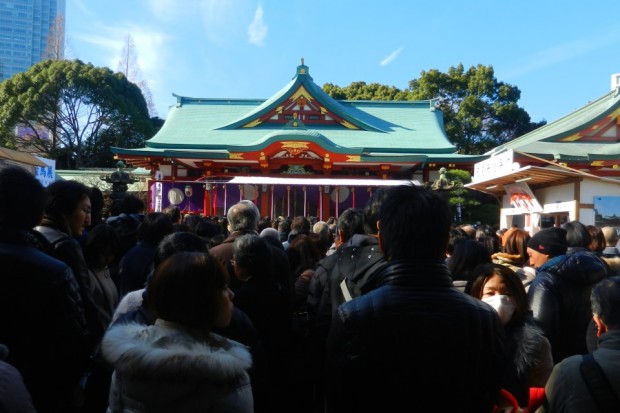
(568, 124)
(302, 78)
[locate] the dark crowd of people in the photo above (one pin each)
(389, 307)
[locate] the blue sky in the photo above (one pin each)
(607, 206)
(560, 54)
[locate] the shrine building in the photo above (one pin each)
(300, 152)
(570, 168)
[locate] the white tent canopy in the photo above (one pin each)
(265, 180)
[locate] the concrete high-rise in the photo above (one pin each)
(25, 26)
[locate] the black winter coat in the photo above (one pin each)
(135, 267)
(414, 341)
(559, 298)
(42, 321)
(68, 250)
(318, 301)
(357, 262)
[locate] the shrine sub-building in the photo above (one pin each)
(570, 168)
(300, 152)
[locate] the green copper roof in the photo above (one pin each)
(213, 128)
(574, 137)
(303, 78)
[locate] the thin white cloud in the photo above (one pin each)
(560, 53)
(220, 19)
(83, 8)
(99, 42)
(168, 10)
(257, 30)
(391, 57)
(150, 48)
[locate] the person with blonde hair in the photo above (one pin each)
(514, 255)
(610, 253)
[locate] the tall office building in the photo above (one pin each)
(25, 26)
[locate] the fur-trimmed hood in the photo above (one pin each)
(614, 264)
(514, 259)
(165, 368)
(530, 348)
(165, 350)
(531, 361)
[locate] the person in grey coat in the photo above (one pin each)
(14, 397)
(567, 391)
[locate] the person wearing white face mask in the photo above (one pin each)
(503, 304)
(530, 360)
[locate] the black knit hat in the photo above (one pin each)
(549, 241)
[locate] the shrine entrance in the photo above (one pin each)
(289, 197)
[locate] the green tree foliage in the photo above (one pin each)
(466, 204)
(479, 111)
(84, 110)
(363, 91)
(461, 199)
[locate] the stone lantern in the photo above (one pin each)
(120, 180)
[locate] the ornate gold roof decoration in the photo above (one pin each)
(295, 148)
(348, 124)
(235, 155)
(254, 123)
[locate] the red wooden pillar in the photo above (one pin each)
(208, 210)
(337, 203)
(320, 204)
(326, 201)
(288, 200)
(214, 198)
(206, 205)
(264, 202)
(305, 201)
(271, 206)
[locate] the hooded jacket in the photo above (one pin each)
(164, 368)
(559, 298)
(611, 256)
